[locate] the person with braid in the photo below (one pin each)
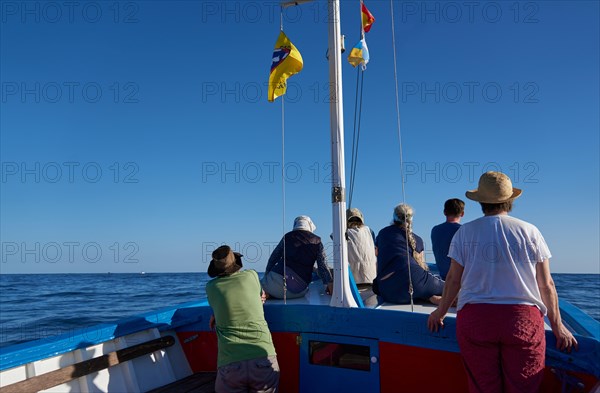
(400, 262)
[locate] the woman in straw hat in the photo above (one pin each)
(400, 262)
(361, 248)
(500, 272)
(246, 359)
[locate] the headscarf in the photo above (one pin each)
(304, 223)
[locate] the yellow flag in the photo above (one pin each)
(359, 54)
(287, 61)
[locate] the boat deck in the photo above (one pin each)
(316, 296)
(198, 383)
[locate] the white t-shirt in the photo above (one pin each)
(499, 256)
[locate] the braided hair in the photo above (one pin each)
(403, 216)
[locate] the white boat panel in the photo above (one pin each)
(13, 375)
(54, 363)
(177, 359)
(151, 371)
(116, 378)
(85, 383)
(141, 374)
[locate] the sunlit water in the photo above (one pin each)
(34, 306)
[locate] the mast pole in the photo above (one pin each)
(342, 295)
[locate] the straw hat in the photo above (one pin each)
(224, 262)
(494, 187)
(354, 213)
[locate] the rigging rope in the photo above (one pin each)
(410, 284)
(283, 196)
(283, 178)
(360, 76)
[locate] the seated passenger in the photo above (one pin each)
(441, 235)
(302, 249)
(400, 255)
(361, 248)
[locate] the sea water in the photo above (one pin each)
(34, 306)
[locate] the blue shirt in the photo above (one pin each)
(441, 236)
(392, 253)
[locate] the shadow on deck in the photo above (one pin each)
(198, 383)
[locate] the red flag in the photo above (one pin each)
(367, 19)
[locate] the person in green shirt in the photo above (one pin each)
(246, 360)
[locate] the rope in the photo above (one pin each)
(360, 76)
(410, 284)
(283, 178)
(283, 197)
(353, 144)
(356, 134)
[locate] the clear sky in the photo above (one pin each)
(137, 136)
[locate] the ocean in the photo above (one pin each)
(34, 306)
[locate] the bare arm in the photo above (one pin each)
(564, 338)
(263, 296)
(451, 288)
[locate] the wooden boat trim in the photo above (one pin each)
(165, 319)
(81, 369)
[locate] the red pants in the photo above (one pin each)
(503, 347)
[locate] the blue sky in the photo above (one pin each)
(137, 136)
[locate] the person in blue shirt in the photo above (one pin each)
(400, 263)
(441, 235)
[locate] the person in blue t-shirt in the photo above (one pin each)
(400, 263)
(441, 235)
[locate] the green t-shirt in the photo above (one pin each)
(242, 330)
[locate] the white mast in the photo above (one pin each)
(342, 295)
